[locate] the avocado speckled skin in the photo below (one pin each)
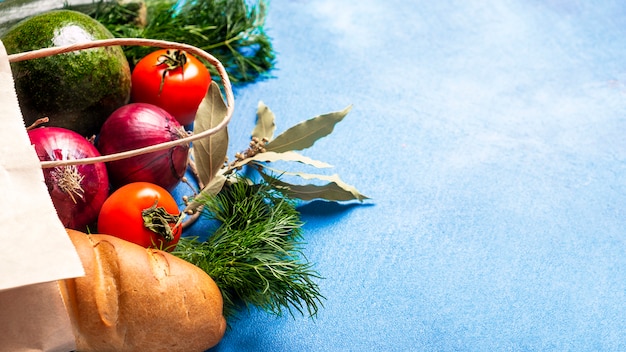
(76, 90)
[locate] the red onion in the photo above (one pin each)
(77, 191)
(140, 125)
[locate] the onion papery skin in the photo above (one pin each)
(139, 125)
(76, 209)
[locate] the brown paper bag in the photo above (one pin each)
(34, 319)
(36, 250)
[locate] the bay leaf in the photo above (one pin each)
(284, 156)
(209, 153)
(265, 123)
(306, 133)
(212, 188)
(335, 190)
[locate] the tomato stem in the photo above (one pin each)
(174, 59)
(158, 220)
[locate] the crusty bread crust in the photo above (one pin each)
(138, 299)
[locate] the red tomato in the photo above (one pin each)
(122, 215)
(173, 80)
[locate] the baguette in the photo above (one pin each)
(138, 299)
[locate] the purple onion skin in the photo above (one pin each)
(78, 208)
(138, 125)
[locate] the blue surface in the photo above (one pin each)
(490, 135)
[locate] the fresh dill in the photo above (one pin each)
(231, 30)
(255, 255)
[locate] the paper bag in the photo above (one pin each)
(35, 250)
(34, 319)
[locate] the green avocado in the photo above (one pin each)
(76, 90)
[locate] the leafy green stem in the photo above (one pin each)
(231, 30)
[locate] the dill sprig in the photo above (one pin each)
(231, 30)
(255, 255)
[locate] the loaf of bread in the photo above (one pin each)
(138, 299)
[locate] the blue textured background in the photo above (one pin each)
(490, 135)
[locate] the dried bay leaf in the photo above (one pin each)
(265, 125)
(306, 133)
(335, 190)
(212, 188)
(210, 153)
(284, 156)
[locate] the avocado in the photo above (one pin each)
(76, 90)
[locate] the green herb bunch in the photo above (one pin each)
(231, 30)
(255, 255)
